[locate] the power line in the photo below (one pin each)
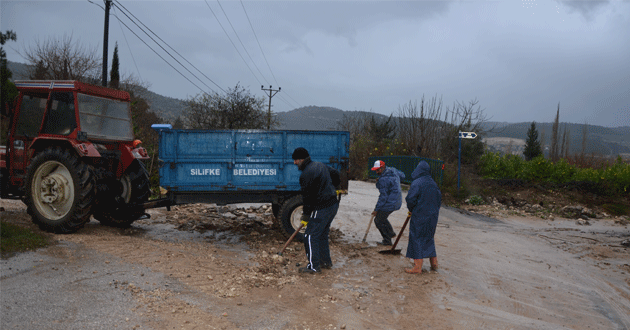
(239, 53)
(265, 57)
(239, 39)
(176, 52)
(130, 52)
(176, 60)
(160, 56)
(259, 46)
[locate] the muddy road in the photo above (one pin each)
(206, 267)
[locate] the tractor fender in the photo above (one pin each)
(83, 149)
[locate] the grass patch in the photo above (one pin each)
(14, 239)
(616, 209)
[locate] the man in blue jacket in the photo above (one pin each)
(317, 183)
(389, 199)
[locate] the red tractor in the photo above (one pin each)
(71, 154)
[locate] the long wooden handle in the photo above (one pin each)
(368, 229)
(291, 238)
(401, 231)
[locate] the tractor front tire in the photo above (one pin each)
(59, 191)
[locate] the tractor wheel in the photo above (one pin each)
(120, 209)
(59, 191)
(290, 214)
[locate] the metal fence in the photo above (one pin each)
(407, 164)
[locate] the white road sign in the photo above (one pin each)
(467, 135)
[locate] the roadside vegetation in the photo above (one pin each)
(15, 238)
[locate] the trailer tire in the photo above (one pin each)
(290, 214)
(121, 210)
(275, 208)
(59, 191)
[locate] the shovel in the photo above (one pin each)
(368, 230)
(393, 249)
(291, 238)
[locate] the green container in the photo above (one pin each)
(407, 164)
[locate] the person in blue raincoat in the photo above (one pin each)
(423, 201)
(389, 199)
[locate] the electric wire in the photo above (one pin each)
(239, 39)
(259, 46)
(176, 52)
(239, 53)
(160, 56)
(265, 57)
(166, 51)
(130, 52)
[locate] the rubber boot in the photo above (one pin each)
(434, 263)
(417, 267)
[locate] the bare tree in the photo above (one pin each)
(463, 117)
(237, 109)
(63, 59)
(420, 127)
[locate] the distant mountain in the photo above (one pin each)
(316, 118)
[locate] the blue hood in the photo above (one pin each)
(422, 169)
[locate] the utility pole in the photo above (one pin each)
(108, 4)
(272, 92)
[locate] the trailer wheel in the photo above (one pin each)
(118, 210)
(59, 191)
(290, 214)
(275, 208)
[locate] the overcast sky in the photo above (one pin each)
(518, 58)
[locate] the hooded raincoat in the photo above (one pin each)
(388, 184)
(423, 201)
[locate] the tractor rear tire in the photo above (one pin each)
(123, 210)
(59, 191)
(290, 215)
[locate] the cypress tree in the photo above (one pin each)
(114, 75)
(532, 145)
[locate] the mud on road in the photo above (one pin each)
(209, 267)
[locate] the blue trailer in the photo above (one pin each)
(245, 166)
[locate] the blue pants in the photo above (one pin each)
(384, 226)
(316, 237)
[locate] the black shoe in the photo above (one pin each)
(394, 235)
(326, 266)
(385, 243)
(308, 270)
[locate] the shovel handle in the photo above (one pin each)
(291, 238)
(401, 231)
(368, 229)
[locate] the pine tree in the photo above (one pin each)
(532, 145)
(114, 75)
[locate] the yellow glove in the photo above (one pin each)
(304, 220)
(409, 213)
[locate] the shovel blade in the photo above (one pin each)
(390, 251)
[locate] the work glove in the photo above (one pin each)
(304, 220)
(408, 213)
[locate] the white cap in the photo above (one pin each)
(378, 164)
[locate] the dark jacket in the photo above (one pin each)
(318, 191)
(423, 200)
(388, 185)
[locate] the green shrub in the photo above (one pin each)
(475, 200)
(610, 179)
